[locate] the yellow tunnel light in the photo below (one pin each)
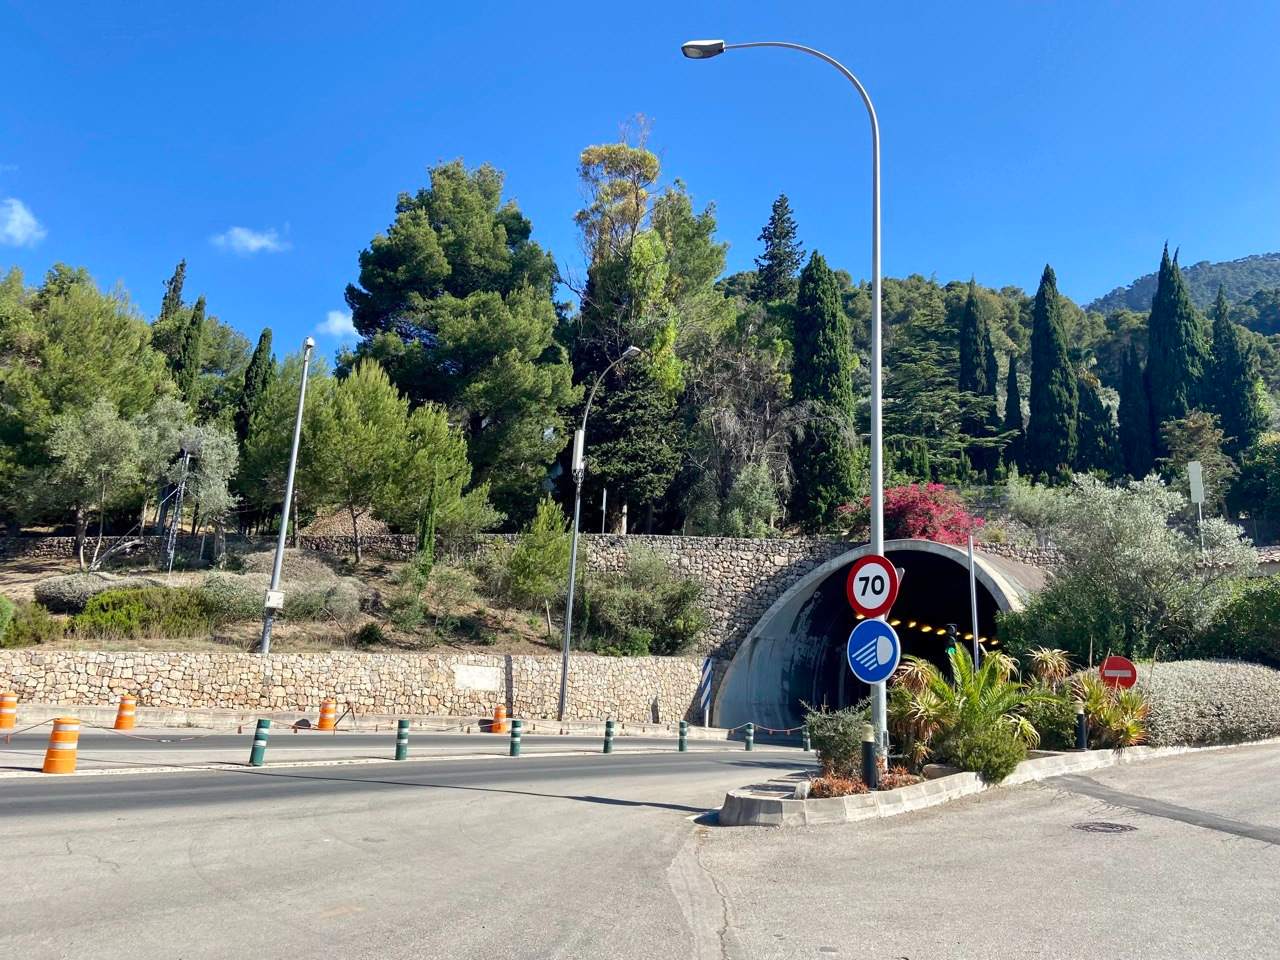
(942, 631)
(969, 636)
(894, 623)
(926, 628)
(861, 617)
(911, 624)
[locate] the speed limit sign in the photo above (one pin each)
(872, 585)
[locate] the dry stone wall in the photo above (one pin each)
(637, 689)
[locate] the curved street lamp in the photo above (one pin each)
(578, 467)
(705, 50)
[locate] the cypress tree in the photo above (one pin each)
(1013, 424)
(1136, 446)
(256, 378)
(171, 305)
(973, 368)
(1097, 446)
(1176, 350)
(187, 369)
(1231, 387)
(783, 254)
(822, 375)
(1051, 432)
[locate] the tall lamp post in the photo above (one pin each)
(578, 467)
(705, 49)
(274, 602)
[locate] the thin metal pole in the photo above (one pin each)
(568, 611)
(973, 602)
(604, 510)
(269, 613)
(878, 693)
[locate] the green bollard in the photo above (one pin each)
(751, 736)
(684, 736)
(258, 755)
(608, 736)
(402, 740)
(515, 737)
(808, 745)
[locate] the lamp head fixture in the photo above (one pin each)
(702, 49)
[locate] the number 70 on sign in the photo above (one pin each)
(872, 585)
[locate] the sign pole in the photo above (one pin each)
(973, 603)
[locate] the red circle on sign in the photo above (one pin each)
(872, 585)
(1117, 671)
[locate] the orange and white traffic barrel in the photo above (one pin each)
(61, 755)
(328, 715)
(500, 722)
(126, 715)
(8, 711)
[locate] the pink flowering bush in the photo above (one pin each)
(917, 511)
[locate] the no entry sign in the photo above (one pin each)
(872, 585)
(1118, 672)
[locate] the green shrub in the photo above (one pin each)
(70, 593)
(145, 612)
(32, 624)
(836, 736)
(645, 610)
(1054, 718)
(991, 751)
(239, 596)
(1247, 627)
(539, 564)
(6, 614)
(369, 635)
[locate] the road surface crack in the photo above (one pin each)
(114, 865)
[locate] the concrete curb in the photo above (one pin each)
(744, 808)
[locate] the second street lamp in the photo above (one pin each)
(578, 468)
(706, 49)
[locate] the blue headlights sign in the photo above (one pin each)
(873, 651)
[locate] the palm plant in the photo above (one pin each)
(1050, 667)
(1117, 718)
(929, 711)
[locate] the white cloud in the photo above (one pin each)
(245, 241)
(18, 225)
(337, 323)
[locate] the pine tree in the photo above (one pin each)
(1013, 424)
(783, 255)
(822, 376)
(169, 329)
(187, 369)
(979, 374)
(256, 377)
(1136, 446)
(1176, 349)
(1231, 387)
(1051, 433)
(1098, 443)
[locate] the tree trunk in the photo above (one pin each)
(195, 518)
(355, 532)
(102, 519)
(81, 532)
(219, 544)
(294, 538)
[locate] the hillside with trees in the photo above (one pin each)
(1239, 279)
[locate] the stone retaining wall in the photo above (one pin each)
(637, 689)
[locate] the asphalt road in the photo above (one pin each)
(599, 857)
(106, 749)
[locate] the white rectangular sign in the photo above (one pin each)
(1195, 476)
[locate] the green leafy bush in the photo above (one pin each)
(1054, 718)
(992, 750)
(836, 736)
(645, 610)
(6, 614)
(70, 593)
(239, 596)
(145, 612)
(370, 634)
(32, 624)
(1247, 627)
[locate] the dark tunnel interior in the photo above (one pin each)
(934, 592)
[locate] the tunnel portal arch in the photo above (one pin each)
(795, 653)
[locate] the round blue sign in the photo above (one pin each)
(873, 651)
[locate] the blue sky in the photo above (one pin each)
(266, 142)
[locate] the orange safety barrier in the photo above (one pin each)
(500, 722)
(61, 755)
(328, 715)
(8, 711)
(126, 715)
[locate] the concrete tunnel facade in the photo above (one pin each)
(795, 654)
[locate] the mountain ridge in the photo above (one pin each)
(1240, 278)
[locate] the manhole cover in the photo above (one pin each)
(1102, 826)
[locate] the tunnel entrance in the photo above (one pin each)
(796, 653)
